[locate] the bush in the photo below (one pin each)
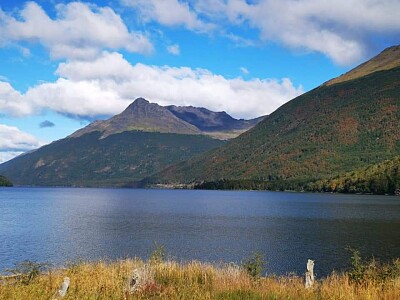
(362, 272)
(27, 270)
(158, 254)
(254, 264)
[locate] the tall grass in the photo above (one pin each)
(197, 280)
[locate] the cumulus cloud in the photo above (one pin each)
(79, 30)
(7, 155)
(174, 49)
(340, 29)
(168, 12)
(12, 102)
(108, 84)
(14, 142)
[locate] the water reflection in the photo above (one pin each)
(59, 224)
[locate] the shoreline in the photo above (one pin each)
(184, 187)
(160, 279)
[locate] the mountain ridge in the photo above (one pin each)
(327, 131)
(124, 149)
(141, 115)
(388, 59)
(117, 160)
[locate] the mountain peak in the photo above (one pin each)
(139, 101)
(386, 60)
(141, 115)
(141, 107)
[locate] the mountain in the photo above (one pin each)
(142, 115)
(93, 160)
(209, 121)
(386, 60)
(333, 129)
(142, 140)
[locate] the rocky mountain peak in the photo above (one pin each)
(142, 115)
(138, 102)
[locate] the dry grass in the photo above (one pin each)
(194, 280)
(388, 59)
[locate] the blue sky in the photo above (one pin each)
(64, 64)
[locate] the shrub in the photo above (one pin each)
(362, 272)
(158, 254)
(27, 270)
(254, 264)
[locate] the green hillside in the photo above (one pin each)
(328, 131)
(382, 178)
(5, 182)
(117, 160)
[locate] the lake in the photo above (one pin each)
(56, 225)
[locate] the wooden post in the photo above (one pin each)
(63, 289)
(134, 283)
(310, 274)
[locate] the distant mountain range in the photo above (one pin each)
(344, 125)
(343, 136)
(143, 139)
(142, 115)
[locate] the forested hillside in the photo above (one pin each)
(382, 178)
(117, 160)
(326, 132)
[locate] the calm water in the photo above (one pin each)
(60, 224)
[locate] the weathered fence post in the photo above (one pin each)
(141, 279)
(134, 283)
(63, 289)
(310, 274)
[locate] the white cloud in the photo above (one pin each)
(7, 155)
(174, 49)
(168, 12)
(4, 78)
(107, 85)
(14, 142)
(106, 66)
(13, 139)
(343, 30)
(244, 71)
(78, 31)
(12, 102)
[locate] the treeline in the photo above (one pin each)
(5, 182)
(382, 178)
(248, 184)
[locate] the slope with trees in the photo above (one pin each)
(5, 182)
(328, 131)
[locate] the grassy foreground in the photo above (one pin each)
(196, 280)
